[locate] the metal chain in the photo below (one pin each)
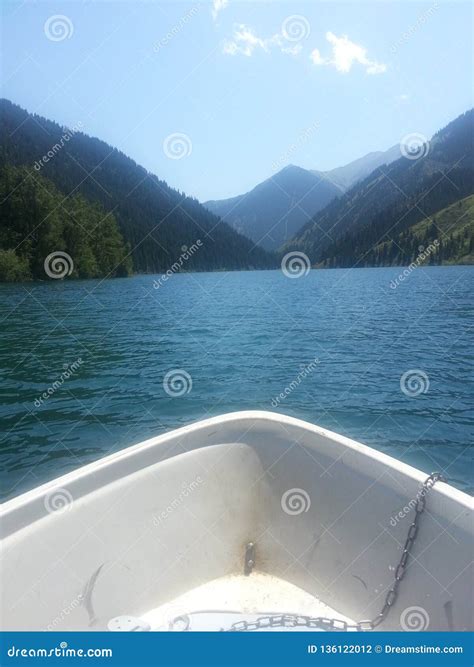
(338, 625)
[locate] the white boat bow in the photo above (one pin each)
(247, 516)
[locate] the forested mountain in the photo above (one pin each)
(392, 199)
(274, 210)
(65, 191)
(445, 238)
(155, 220)
(38, 220)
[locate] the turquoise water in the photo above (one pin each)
(334, 343)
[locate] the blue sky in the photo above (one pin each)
(252, 86)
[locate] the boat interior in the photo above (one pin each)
(217, 524)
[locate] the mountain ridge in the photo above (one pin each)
(392, 199)
(356, 170)
(275, 209)
(156, 220)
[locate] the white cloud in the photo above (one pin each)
(218, 6)
(245, 41)
(317, 58)
(345, 54)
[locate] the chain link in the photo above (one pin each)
(336, 624)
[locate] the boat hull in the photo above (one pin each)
(142, 527)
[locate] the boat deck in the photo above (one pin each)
(218, 604)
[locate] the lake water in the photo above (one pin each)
(334, 343)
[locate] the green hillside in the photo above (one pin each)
(450, 232)
(153, 218)
(39, 222)
(394, 199)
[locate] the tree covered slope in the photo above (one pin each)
(392, 199)
(450, 232)
(39, 225)
(155, 220)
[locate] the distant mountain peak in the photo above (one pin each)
(350, 174)
(291, 168)
(274, 210)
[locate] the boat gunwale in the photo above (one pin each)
(20, 502)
